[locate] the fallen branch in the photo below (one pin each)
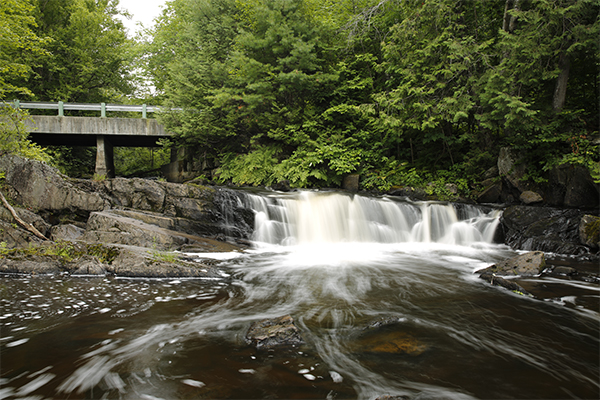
(24, 224)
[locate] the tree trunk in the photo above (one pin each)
(560, 91)
(510, 21)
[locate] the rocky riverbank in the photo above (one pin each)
(130, 227)
(125, 227)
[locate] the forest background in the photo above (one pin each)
(402, 92)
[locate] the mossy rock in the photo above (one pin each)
(589, 231)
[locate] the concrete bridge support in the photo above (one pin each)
(105, 160)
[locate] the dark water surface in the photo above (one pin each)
(379, 317)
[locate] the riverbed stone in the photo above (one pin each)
(496, 280)
(274, 332)
(528, 264)
(589, 231)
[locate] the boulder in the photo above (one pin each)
(543, 228)
(512, 169)
(274, 332)
(530, 197)
(141, 194)
(41, 187)
(589, 231)
(572, 186)
(110, 227)
(491, 194)
(528, 264)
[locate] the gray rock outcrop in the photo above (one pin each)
(41, 187)
(543, 228)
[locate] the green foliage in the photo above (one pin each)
(14, 137)
(78, 162)
(131, 161)
(20, 46)
(63, 251)
(89, 55)
(164, 256)
(417, 93)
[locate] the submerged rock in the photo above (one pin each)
(528, 264)
(274, 332)
(499, 281)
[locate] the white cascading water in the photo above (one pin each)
(328, 218)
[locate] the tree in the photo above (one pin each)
(19, 47)
(89, 56)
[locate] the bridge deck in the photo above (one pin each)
(82, 131)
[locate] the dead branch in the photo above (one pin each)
(24, 224)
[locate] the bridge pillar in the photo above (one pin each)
(105, 162)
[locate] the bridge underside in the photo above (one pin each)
(45, 139)
(103, 133)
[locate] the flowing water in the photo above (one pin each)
(383, 292)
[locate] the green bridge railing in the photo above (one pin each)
(102, 107)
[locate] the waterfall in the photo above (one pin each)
(327, 218)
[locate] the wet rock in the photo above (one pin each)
(89, 265)
(392, 397)
(351, 182)
(384, 321)
(589, 231)
(282, 186)
(411, 193)
(274, 332)
(528, 264)
(389, 342)
(131, 263)
(31, 265)
(530, 197)
(495, 280)
(562, 270)
(543, 228)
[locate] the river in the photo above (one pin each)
(383, 292)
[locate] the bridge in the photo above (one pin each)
(102, 132)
